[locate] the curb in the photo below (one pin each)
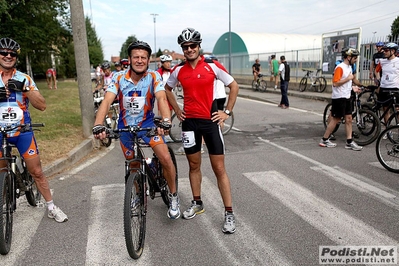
(73, 156)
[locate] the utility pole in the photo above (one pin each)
(82, 66)
(155, 35)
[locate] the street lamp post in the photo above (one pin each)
(155, 35)
(230, 36)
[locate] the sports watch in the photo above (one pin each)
(227, 112)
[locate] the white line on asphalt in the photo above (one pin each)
(105, 241)
(291, 108)
(259, 251)
(336, 224)
(381, 193)
(26, 220)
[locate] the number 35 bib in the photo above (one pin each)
(134, 105)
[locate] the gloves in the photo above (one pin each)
(17, 85)
(3, 93)
(98, 129)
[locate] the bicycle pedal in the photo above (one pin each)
(40, 204)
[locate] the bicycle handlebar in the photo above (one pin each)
(21, 127)
(136, 129)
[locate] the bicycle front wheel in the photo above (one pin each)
(175, 131)
(323, 84)
(387, 148)
(32, 195)
(134, 215)
(163, 183)
(228, 124)
(6, 202)
(365, 127)
(302, 84)
(263, 85)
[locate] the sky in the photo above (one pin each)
(115, 21)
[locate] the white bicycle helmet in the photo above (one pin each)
(165, 57)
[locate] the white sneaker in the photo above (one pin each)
(353, 146)
(57, 215)
(174, 207)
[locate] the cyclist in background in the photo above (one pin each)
(164, 71)
(17, 90)
(137, 89)
(376, 58)
(389, 67)
(118, 67)
(125, 63)
(202, 119)
(106, 76)
(341, 100)
(256, 69)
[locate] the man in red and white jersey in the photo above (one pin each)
(202, 119)
(51, 77)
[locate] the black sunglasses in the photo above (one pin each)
(5, 53)
(192, 46)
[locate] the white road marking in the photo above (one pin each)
(336, 224)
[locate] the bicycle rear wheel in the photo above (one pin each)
(32, 195)
(228, 124)
(163, 185)
(387, 148)
(6, 203)
(175, 131)
(263, 85)
(323, 84)
(366, 127)
(134, 215)
(327, 116)
(303, 83)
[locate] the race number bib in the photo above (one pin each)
(10, 115)
(134, 105)
(188, 139)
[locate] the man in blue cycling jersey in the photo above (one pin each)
(137, 88)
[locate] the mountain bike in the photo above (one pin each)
(317, 82)
(260, 84)
(15, 181)
(175, 132)
(147, 179)
(387, 148)
(366, 125)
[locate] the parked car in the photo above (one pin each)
(93, 74)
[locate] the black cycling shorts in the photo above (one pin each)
(194, 129)
(341, 107)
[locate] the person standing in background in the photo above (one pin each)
(51, 77)
(284, 72)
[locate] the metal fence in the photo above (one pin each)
(241, 64)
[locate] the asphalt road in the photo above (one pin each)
(290, 197)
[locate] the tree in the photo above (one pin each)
(394, 37)
(40, 27)
(96, 53)
(159, 53)
(125, 45)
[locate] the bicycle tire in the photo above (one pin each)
(228, 124)
(163, 184)
(175, 131)
(391, 118)
(387, 148)
(367, 130)
(6, 217)
(302, 84)
(317, 85)
(323, 84)
(254, 85)
(326, 114)
(263, 85)
(134, 215)
(32, 195)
